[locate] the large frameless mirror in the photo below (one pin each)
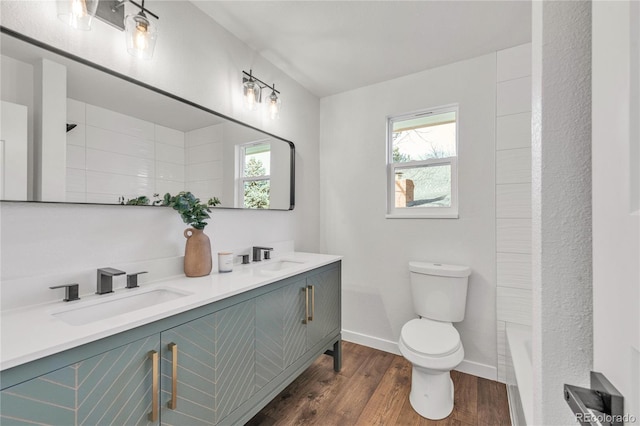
(75, 132)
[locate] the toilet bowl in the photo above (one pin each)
(434, 349)
(431, 343)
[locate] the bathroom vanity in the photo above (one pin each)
(215, 354)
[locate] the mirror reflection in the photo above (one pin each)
(73, 133)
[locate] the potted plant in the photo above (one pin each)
(197, 253)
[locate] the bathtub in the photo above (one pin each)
(520, 380)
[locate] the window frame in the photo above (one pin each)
(394, 212)
(242, 179)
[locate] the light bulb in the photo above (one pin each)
(274, 105)
(141, 35)
(251, 94)
(78, 14)
(141, 42)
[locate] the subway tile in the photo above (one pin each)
(204, 171)
(75, 157)
(169, 153)
(206, 189)
(514, 270)
(98, 198)
(514, 96)
(110, 141)
(112, 163)
(76, 197)
(513, 166)
(76, 181)
(120, 123)
(75, 111)
(205, 135)
(77, 136)
(514, 62)
(169, 171)
(513, 236)
(514, 305)
(514, 131)
(114, 186)
(204, 153)
(513, 200)
(164, 186)
(169, 136)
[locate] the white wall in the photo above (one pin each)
(562, 335)
(197, 59)
(376, 292)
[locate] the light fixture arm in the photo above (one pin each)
(251, 77)
(143, 9)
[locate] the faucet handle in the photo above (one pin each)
(70, 291)
(245, 258)
(132, 279)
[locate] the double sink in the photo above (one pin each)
(104, 307)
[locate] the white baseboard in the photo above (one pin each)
(468, 367)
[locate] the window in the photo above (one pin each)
(422, 164)
(255, 170)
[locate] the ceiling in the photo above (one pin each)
(334, 46)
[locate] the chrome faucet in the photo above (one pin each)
(105, 279)
(257, 257)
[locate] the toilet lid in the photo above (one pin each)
(429, 337)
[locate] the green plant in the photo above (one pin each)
(192, 211)
(142, 200)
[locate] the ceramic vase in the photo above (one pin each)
(197, 253)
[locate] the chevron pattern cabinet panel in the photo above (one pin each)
(111, 388)
(235, 357)
(295, 332)
(270, 335)
(196, 359)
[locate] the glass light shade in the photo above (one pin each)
(141, 34)
(251, 91)
(274, 105)
(78, 14)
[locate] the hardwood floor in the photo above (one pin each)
(373, 389)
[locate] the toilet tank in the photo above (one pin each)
(439, 291)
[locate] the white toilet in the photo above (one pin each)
(430, 342)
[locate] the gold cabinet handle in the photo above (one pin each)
(313, 302)
(173, 403)
(153, 415)
(306, 305)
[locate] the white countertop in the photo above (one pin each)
(33, 332)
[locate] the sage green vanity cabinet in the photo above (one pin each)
(111, 388)
(216, 364)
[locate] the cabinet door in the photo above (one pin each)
(325, 305)
(280, 332)
(215, 366)
(112, 388)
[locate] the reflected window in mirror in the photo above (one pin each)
(255, 175)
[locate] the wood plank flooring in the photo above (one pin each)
(373, 389)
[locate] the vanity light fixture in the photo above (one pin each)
(78, 14)
(251, 91)
(141, 32)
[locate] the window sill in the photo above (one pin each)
(422, 216)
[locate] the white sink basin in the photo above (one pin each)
(279, 265)
(111, 306)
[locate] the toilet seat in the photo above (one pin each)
(430, 338)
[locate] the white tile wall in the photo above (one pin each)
(514, 63)
(207, 188)
(117, 122)
(514, 96)
(513, 236)
(123, 156)
(514, 270)
(513, 200)
(514, 305)
(204, 171)
(206, 135)
(514, 131)
(513, 195)
(121, 143)
(513, 166)
(204, 153)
